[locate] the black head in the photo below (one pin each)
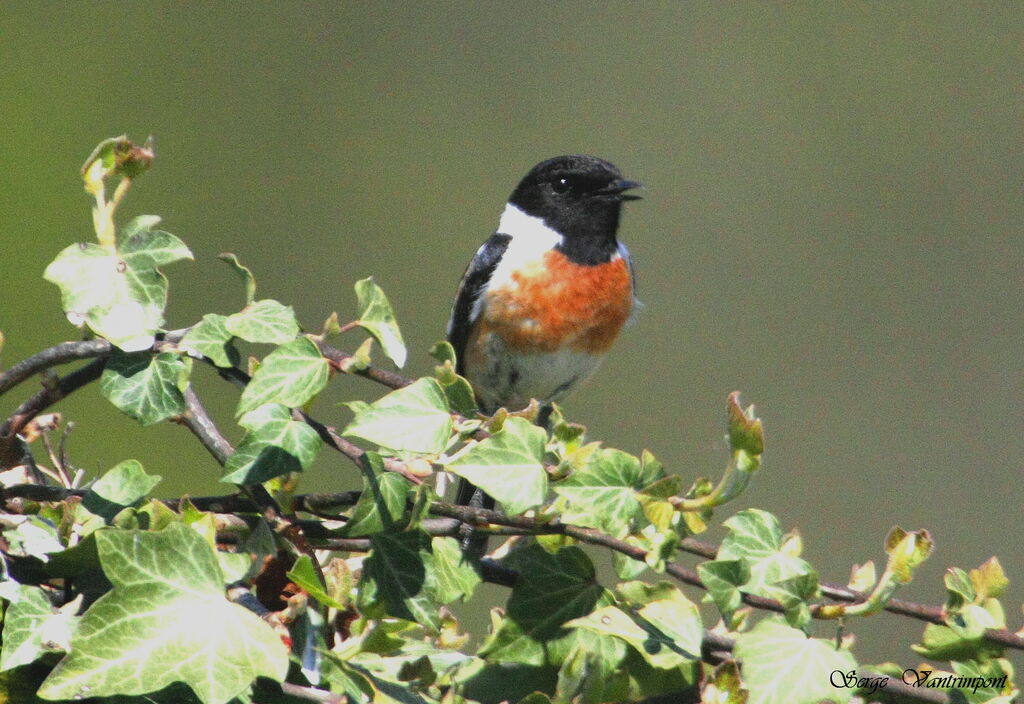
(579, 196)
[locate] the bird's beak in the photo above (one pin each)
(619, 187)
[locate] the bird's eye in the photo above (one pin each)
(561, 185)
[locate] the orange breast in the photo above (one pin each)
(557, 303)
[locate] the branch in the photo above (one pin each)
(58, 354)
(337, 358)
(530, 526)
(49, 395)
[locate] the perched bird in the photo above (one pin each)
(546, 296)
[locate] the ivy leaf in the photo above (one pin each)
(552, 590)
(146, 387)
(166, 620)
(377, 318)
(507, 465)
(264, 321)
(723, 579)
(781, 665)
(210, 338)
(381, 503)
(290, 375)
(275, 444)
(32, 628)
(395, 576)
(120, 295)
(244, 272)
(124, 485)
(665, 628)
(755, 536)
(603, 493)
(414, 418)
(304, 575)
(449, 575)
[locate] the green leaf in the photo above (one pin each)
(755, 536)
(378, 319)
(32, 536)
(723, 579)
(247, 278)
(382, 501)
(661, 624)
(906, 552)
(264, 321)
(146, 387)
(32, 628)
(781, 665)
(305, 576)
(507, 465)
(120, 295)
(211, 339)
(449, 575)
(275, 445)
(123, 486)
(603, 493)
(414, 418)
(552, 590)
(165, 620)
(290, 375)
(395, 575)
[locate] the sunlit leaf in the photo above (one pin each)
(290, 375)
(507, 465)
(414, 418)
(165, 620)
(146, 387)
(377, 318)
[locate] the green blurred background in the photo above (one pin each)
(832, 223)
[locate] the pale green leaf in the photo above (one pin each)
(264, 321)
(304, 575)
(211, 339)
(32, 628)
(290, 375)
(378, 319)
(146, 387)
(124, 485)
(120, 295)
(166, 620)
(244, 272)
(507, 465)
(603, 493)
(449, 575)
(275, 445)
(755, 536)
(781, 665)
(381, 502)
(414, 418)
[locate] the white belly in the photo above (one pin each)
(511, 379)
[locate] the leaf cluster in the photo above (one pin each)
(265, 594)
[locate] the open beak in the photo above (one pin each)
(619, 187)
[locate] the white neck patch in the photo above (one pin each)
(518, 225)
(531, 238)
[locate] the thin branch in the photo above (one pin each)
(337, 358)
(58, 354)
(49, 395)
(196, 419)
(481, 517)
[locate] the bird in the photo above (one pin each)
(545, 297)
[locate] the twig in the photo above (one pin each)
(337, 358)
(196, 419)
(58, 354)
(50, 394)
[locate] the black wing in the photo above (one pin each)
(474, 281)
